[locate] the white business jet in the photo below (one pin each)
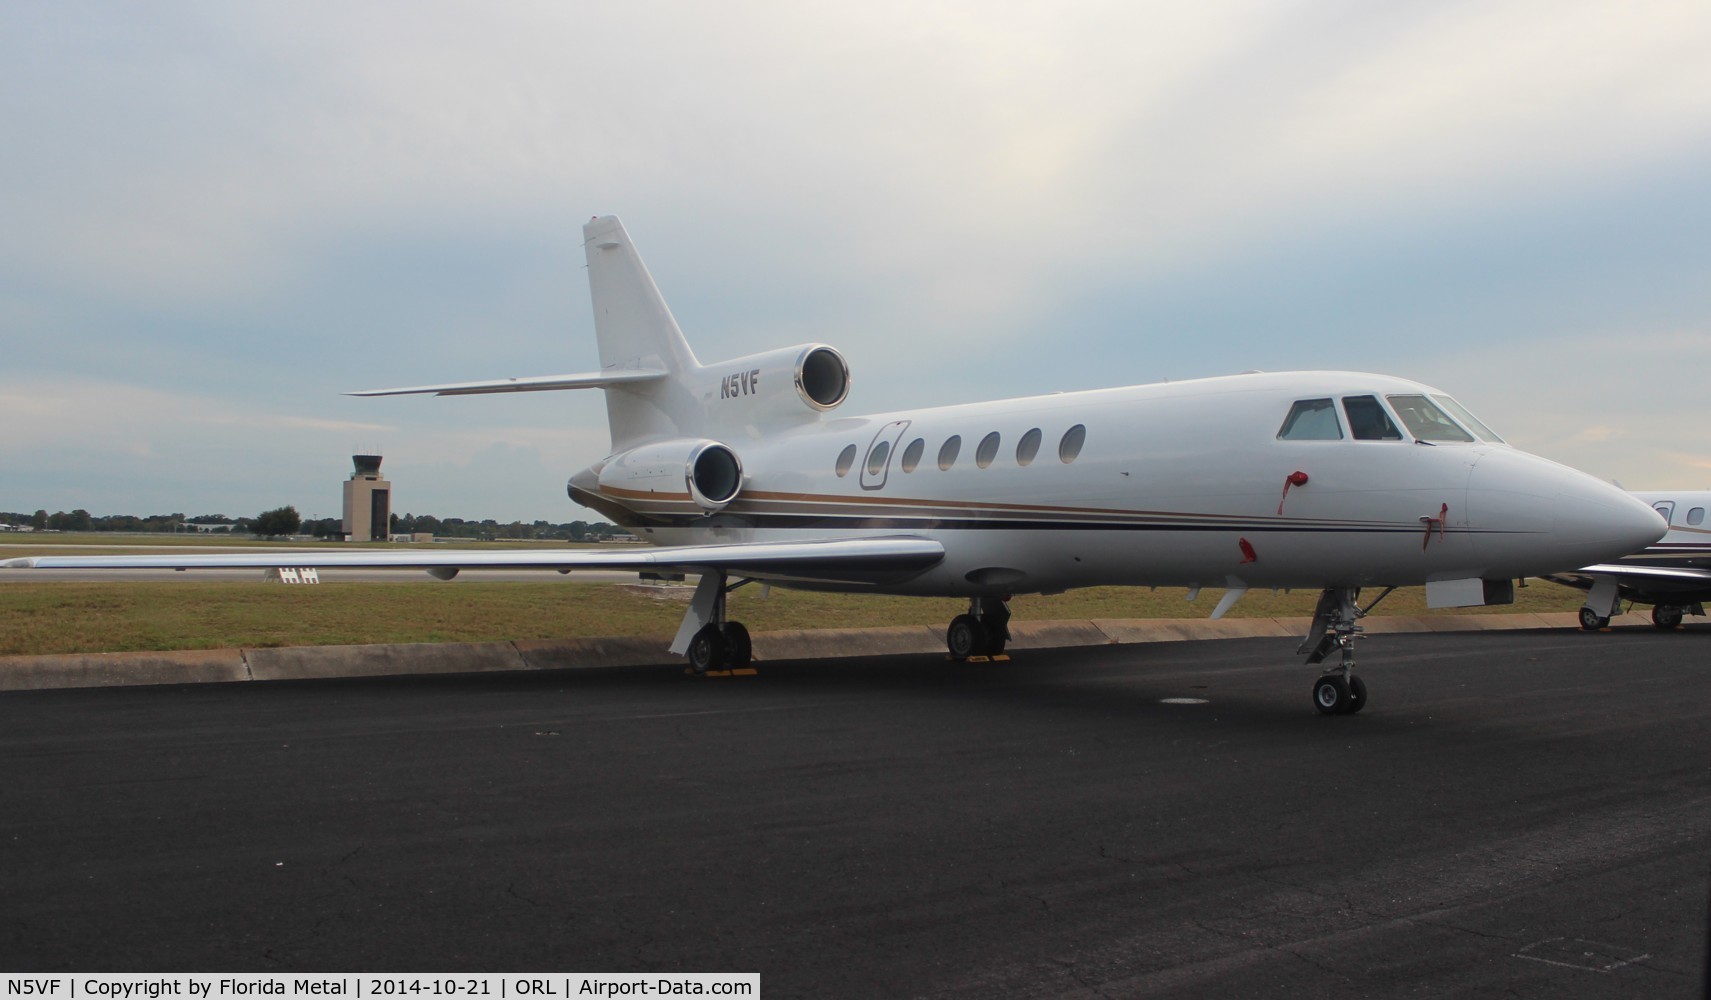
(1673, 575)
(745, 471)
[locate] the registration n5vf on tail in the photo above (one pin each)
(737, 471)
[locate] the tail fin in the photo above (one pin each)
(635, 330)
(631, 320)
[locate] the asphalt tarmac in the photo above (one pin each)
(1518, 814)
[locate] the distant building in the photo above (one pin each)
(368, 502)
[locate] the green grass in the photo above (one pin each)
(40, 618)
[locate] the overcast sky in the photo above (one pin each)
(216, 217)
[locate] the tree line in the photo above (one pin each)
(286, 521)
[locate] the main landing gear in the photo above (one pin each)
(711, 642)
(1669, 616)
(981, 632)
(1603, 602)
(1665, 617)
(1592, 621)
(723, 646)
(1338, 691)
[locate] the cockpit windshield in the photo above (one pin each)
(1434, 419)
(1467, 419)
(1427, 422)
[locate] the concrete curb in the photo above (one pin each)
(77, 670)
(291, 663)
(22, 673)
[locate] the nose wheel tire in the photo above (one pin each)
(1334, 696)
(1591, 620)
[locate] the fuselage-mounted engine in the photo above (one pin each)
(781, 387)
(704, 472)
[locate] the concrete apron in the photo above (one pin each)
(203, 666)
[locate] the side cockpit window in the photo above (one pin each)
(1368, 421)
(1311, 420)
(1426, 421)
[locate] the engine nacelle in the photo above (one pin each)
(794, 381)
(708, 471)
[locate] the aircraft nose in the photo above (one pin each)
(1611, 523)
(1533, 516)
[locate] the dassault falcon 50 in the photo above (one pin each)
(748, 470)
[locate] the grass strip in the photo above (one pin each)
(39, 618)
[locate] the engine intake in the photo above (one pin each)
(822, 377)
(715, 475)
(708, 472)
(790, 385)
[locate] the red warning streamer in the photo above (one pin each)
(1296, 478)
(1435, 524)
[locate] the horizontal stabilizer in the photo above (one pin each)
(535, 383)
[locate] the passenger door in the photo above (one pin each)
(877, 462)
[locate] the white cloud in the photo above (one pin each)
(938, 182)
(1625, 405)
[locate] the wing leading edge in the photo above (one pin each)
(862, 561)
(1638, 571)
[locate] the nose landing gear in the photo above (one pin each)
(1338, 691)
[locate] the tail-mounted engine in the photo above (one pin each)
(791, 382)
(708, 472)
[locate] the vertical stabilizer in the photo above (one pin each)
(635, 330)
(631, 320)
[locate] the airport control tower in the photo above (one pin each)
(368, 502)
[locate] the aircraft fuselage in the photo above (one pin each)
(1173, 484)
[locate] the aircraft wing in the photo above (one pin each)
(836, 560)
(1642, 571)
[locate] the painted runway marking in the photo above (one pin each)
(1574, 953)
(713, 711)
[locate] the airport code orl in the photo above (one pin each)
(556, 986)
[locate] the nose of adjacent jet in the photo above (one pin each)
(1532, 516)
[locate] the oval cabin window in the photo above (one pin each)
(1027, 448)
(948, 453)
(912, 454)
(876, 458)
(1070, 446)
